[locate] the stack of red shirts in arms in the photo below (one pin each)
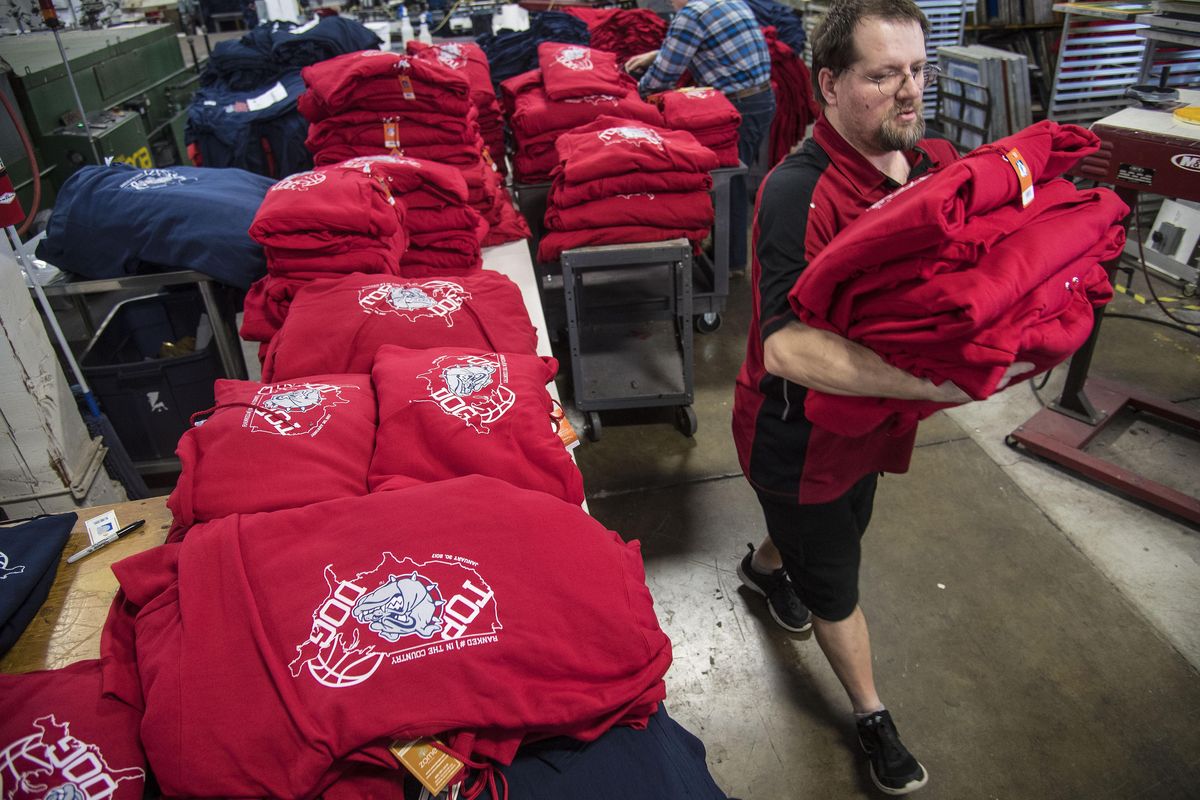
(706, 114)
(443, 233)
(469, 58)
(338, 325)
(621, 181)
(574, 86)
(374, 103)
(628, 32)
(963, 273)
(795, 106)
(443, 587)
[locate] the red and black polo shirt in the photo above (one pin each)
(804, 202)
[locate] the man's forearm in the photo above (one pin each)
(835, 365)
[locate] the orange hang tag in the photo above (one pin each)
(434, 768)
(407, 88)
(487, 156)
(391, 135)
(563, 427)
(1024, 178)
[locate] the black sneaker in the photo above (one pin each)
(785, 606)
(893, 769)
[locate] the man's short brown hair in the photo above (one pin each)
(833, 39)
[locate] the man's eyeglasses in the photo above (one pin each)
(890, 83)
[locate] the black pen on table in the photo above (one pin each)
(91, 548)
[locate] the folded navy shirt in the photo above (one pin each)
(29, 554)
(116, 220)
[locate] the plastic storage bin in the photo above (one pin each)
(151, 399)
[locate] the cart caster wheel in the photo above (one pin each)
(685, 419)
(592, 426)
(707, 322)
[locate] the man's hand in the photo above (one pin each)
(639, 63)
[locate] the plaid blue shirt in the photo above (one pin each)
(719, 41)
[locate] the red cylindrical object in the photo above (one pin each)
(49, 13)
(11, 212)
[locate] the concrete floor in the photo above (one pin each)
(1035, 636)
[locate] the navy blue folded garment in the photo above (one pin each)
(118, 220)
(229, 126)
(239, 65)
(29, 555)
(322, 39)
(787, 22)
(512, 52)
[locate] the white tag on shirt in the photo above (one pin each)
(268, 98)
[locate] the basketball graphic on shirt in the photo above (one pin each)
(575, 58)
(293, 409)
(156, 179)
(451, 55)
(51, 763)
(300, 182)
(631, 134)
(414, 300)
(471, 388)
(399, 611)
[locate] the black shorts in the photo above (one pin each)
(821, 546)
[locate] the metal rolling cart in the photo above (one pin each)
(629, 320)
(710, 274)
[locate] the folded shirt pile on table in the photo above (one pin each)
(706, 114)
(374, 103)
(244, 114)
(625, 32)
(622, 181)
(511, 53)
(961, 274)
(573, 86)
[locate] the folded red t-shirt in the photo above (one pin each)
(572, 70)
(535, 114)
(62, 739)
(386, 130)
(695, 108)
(302, 441)
(376, 80)
(329, 199)
(446, 412)
(337, 326)
(680, 210)
(565, 195)
(610, 146)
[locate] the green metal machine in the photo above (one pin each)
(135, 87)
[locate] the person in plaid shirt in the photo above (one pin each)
(720, 43)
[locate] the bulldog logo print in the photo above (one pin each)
(413, 301)
(578, 59)
(300, 182)
(451, 55)
(293, 409)
(630, 134)
(51, 764)
(400, 611)
(156, 179)
(472, 388)
(365, 163)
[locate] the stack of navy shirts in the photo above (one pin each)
(706, 114)
(620, 181)
(511, 53)
(320, 39)
(786, 21)
(573, 87)
(373, 103)
(248, 62)
(119, 220)
(29, 555)
(256, 129)
(962, 273)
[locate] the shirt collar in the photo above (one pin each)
(864, 175)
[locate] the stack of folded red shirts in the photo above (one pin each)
(371, 103)
(621, 181)
(795, 106)
(537, 120)
(469, 58)
(706, 114)
(628, 32)
(443, 233)
(329, 221)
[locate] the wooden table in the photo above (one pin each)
(67, 628)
